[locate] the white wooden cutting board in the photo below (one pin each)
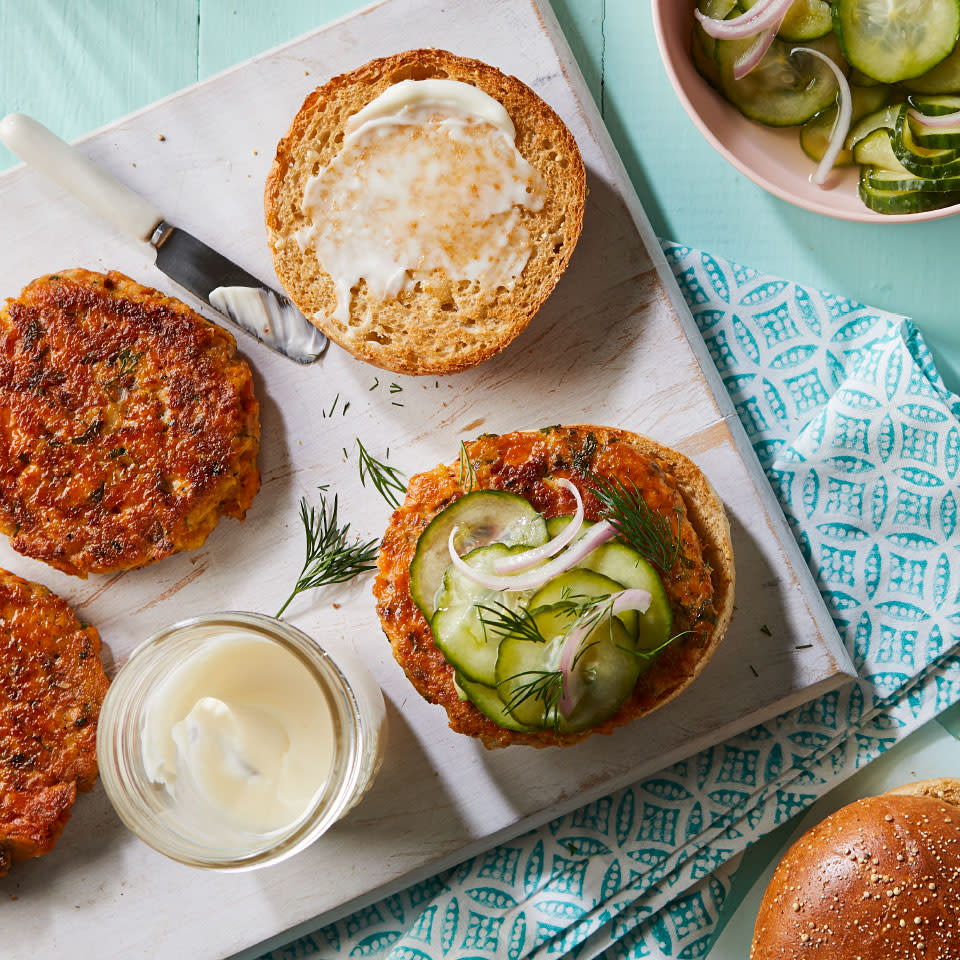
(614, 345)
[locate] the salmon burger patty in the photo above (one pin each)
(52, 685)
(699, 585)
(128, 424)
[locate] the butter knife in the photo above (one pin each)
(237, 295)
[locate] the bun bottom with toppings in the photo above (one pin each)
(694, 591)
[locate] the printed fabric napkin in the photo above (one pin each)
(861, 442)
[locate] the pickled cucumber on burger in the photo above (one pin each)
(555, 583)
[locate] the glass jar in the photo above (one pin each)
(161, 816)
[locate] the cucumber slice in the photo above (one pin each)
(815, 133)
(606, 668)
(936, 106)
(902, 201)
(861, 79)
(943, 78)
(556, 525)
(781, 91)
(885, 118)
(458, 631)
(701, 53)
(893, 40)
(484, 516)
(553, 620)
(815, 138)
(488, 702)
(922, 161)
(900, 181)
(869, 99)
(947, 138)
(718, 9)
(876, 150)
(624, 565)
(805, 20)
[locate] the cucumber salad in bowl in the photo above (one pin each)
(873, 83)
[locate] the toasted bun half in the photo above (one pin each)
(437, 326)
(877, 880)
(699, 586)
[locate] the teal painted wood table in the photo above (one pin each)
(79, 64)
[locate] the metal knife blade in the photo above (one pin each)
(243, 299)
(256, 308)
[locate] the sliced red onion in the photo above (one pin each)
(761, 16)
(841, 126)
(597, 534)
(756, 52)
(625, 600)
(517, 562)
(943, 120)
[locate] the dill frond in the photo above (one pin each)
(468, 473)
(647, 531)
(386, 480)
(330, 556)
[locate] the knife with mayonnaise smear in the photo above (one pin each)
(237, 295)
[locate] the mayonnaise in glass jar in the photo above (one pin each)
(232, 740)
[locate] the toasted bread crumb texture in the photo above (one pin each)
(128, 425)
(946, 789)
(51, 687)
(700, 586)
(437, 326)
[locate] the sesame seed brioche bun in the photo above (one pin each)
(440, 325)
(877, 880)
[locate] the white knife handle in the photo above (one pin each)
(33, 143)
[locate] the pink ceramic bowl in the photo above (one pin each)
(770, 158)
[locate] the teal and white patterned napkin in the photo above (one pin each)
(861, 441)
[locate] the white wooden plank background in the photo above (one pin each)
(609, 347)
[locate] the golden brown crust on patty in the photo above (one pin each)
(128, 425)
(442, 327)
(877, 880)
(700, 586)
(51, 687)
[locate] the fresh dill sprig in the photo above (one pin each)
(649, 532)
(577, 606)
(386, 480)
(579, 609)
(505, 622)
(544, 685)
(468, 473)
(653, 651)
(330, 556)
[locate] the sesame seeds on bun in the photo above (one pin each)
(877, 880)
